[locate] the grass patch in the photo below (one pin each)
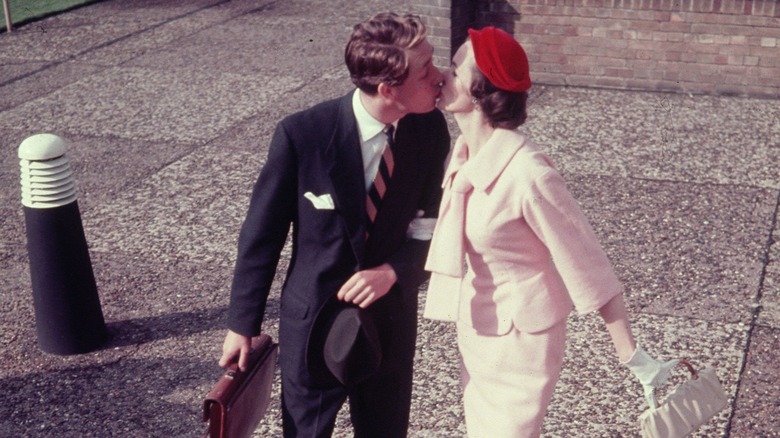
(25, 11)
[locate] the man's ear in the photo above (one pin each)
(385, 91)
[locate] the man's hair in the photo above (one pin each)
(377, 50)
(502, 109)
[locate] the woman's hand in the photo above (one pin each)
(650, 372)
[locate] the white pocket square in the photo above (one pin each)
(322, 202)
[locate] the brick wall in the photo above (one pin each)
(690, 46)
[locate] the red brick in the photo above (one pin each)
(767, 75)
(772, 63)
(606, 81)
(675, 36)
(554, 48)
(644, 54)
(752, 61)
(766, 32)
(688, 75)
(586, 50)
(672, 56)
(611, 62)
(553, 58)
(642, 25)
(735, 60)
(644, 74)
(584, 31)
(531, 39)
(670, 73)
(765, 52)
(675, 27)
(625, 73)
(660, 36)
(555, 20)
(735, 50)
(585, 21)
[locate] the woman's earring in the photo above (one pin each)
(474, 100)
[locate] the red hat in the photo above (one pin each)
(501, 59)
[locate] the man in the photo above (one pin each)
(321, 166)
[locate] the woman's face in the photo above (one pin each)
(455, 95)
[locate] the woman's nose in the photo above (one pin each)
(447, 75)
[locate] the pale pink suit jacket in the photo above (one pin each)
(532, 256)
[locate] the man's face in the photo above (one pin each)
(419, 91)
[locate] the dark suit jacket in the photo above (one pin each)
(318, 151)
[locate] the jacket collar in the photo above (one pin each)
(484, 168)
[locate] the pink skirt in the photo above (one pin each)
(508, 380)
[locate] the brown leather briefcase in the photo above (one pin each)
(238, 401)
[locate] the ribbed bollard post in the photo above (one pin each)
(68, 317)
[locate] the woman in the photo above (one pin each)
(531, 254)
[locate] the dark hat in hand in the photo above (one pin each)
(343, 344)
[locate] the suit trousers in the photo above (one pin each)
(379, 407)
(508, 380)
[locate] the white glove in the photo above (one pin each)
(650, 372)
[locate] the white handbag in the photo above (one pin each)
(687, 407)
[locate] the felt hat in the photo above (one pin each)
(501, 59)
(343, 345)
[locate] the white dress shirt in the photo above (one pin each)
(372, 139)
(372, 144)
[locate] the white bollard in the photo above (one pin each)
(68, 316)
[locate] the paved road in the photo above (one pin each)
(169, 107)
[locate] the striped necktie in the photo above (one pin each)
(378, 188)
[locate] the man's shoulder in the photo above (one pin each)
(322, 112)
(429, 128)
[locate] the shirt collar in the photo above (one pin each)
(368, 126)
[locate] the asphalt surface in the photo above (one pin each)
(169, 107)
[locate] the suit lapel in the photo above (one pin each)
(346, 173)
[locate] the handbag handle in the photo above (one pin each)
(689, 365)
(694, 375)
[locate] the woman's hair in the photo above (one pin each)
(502, 109)
(376, 51)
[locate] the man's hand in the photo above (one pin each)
(235, 345)
(367, 286)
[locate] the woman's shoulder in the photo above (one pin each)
(531, 161)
